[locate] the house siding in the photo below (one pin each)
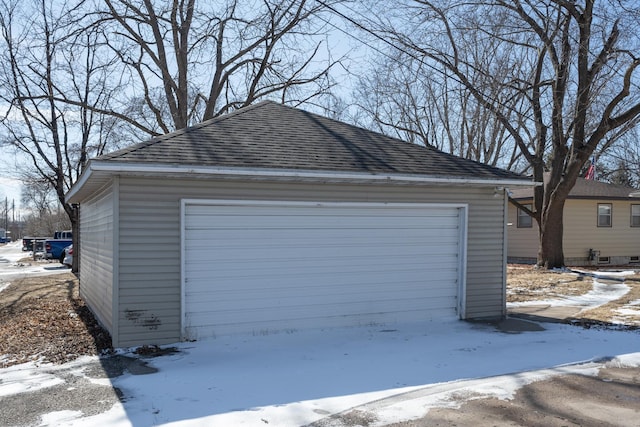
(620, 241)
(97, 254)
(522, 243)
(149, 235)
(581, 233)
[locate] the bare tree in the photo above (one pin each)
(408, 99)
(43, 214)
(186, 61)
(37, 197)
(621, 163)
(44, 60)
(575, 66)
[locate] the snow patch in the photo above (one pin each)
(26, 378)
(59, 418)
(600, 294)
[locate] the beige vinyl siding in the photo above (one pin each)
(582, 232)
(149, 262)
(523, 242)
(96, 255)
(150, 241)
(486, 275)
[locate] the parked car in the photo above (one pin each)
(68, 256)
(55, 247)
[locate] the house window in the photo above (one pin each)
(604, 214)
(524, 220)
(635, 215)
(604, 260)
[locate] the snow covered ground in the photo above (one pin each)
(601, 294)
(629, 313)
(292, 379)
(298, 378)
(11, 269)
(295, 379)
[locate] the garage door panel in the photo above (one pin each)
(386, 232)
(247, 268)
(320, 239)
(262, 277)
(271, 326)
(349, 275)
(329, 246)
(376, 298)
(308, 289)
(322, 222)
(269, 261)
(285, 257)
(204, 212)
(289, 257)
(278, 298)
(261, 314)
(289, 226)
(299, 281)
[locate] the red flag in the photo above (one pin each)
(591, 172)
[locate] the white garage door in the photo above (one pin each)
(262, 267)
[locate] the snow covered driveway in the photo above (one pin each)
(300, 378)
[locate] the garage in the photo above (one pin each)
(258, 267)
(275, 219)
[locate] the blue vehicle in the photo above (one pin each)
(55, 247)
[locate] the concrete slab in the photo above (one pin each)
(509, 325)
(545, 313)
(512, 325)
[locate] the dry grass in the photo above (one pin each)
(608, 313)
(527, 283)
(43, 318)
(635, 277)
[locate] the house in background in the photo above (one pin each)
(601, 225)
(274, 219)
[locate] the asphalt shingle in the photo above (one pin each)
(273, 136)
(585, 189)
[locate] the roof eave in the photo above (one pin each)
(630, 196)
(111, 168)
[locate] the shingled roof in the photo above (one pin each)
(272, 136)
(587, 189)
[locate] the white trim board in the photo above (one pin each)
(138, 169)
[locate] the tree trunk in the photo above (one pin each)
(551, 253)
